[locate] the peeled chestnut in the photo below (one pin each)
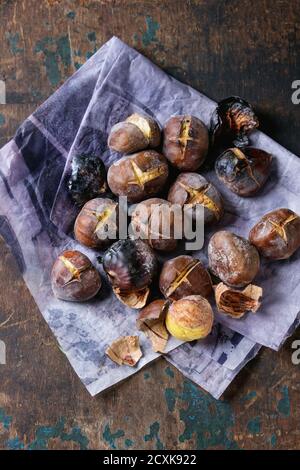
(193, 189)
(96, 225)
(233, 259)
(277, 234)
(185, 142)
(88, 178)
(137, 132)
(183, 276)
(190, 318)
(138, 176)
(74, 277)
(130, 266)
(154, 221)
(244, 171)
(232, 121)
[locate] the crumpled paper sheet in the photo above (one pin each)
(37, 218)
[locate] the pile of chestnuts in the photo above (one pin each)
(142, 174)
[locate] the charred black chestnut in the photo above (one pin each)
(243, 171)
(137, 132)
(193, 189)
(96, 225)
(232, 122)
(74, 277)
(131, 266)
(185, 142)
(88, 178)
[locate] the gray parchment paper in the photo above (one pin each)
(37, 217)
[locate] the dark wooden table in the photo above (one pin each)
(221, 48)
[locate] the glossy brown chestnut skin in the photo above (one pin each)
(131, 265)
(154, 222)
(193, 189)
(138, 176)
(137, 132)
(232, 122)
(185, 142)
(96, 225)
(277, 234)
(243, 171)
(183, 276)
(74, 278)
(233, 259)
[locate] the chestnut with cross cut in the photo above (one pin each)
(194, 190)
(243, 171)
(277, 234)
(96, 225)
(182, 276)
(137, 132)
(185, 142)
(138, 176)
(74, 278)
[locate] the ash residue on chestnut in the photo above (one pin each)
(74, 278)
(183, 276)
(185, 142)
(194, 189)
(88, 178)
(243, 171)
(277, 234)
(138, 176)
(232, 121)
(233, 259)
(130, 265)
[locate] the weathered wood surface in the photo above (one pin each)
(222, 48)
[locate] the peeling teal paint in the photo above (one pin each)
(151, 29)
(64, 51)
(284, 405)
(5, 420)
(170, 396)
(55, 51)
(253, 425)
(71, 15)
(13, 41)
(91, 36)
(77, 65)
(249, 396)
(128, 443)
(147, 375)
(44, 433)
(110, 437)
(2, 120)
(273, 440)
(169, 372)
(154, 435)
(14, 444)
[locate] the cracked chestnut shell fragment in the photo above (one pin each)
(194, 190)
(232, 122)
(74, 278)
(277, 234)
(243, 171)
(233, 259)
(96, 225)
(136, 133)
(138, 176)
(185, 142)
(88, 178)
(183, 276)
(131, 266)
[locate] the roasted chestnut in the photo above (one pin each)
(88, 178)
(154, 221)
(130, 266)
(183, 276)
(232, 122)
(190, 318)
(244, 171)
(185, 142)
(193, 189)
(138, 176)
(137, 132)
(96, 225)
(277, 234)
(74, 278)
(233, 259)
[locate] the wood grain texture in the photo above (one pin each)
(221, 48)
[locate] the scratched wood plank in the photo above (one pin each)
(221, 48)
